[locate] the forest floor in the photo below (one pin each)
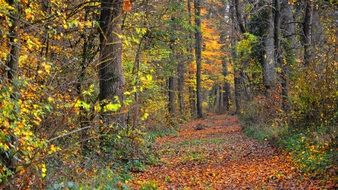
(220, 156)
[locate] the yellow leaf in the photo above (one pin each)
(53, 149)
(43, 170)
(50, 99)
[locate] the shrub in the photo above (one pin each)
(107, 179)
(313, 152)
(312, 147)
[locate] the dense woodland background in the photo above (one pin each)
(86, 86)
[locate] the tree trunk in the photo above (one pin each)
(269, 58)
(239, 16)
(172, 96)
(46, 7)
(226, 96)
(288, 32)
(13, 57)
(218, 99)
(172, 86)
(110, 67)
(237, 69)
(180, 71)
(277, 39)
(136, 69)
(180, 86)
(238, 93)
(190, 50)
(226, 86)
(307, 35)
(277, 23)
(198, 54)
(317, 30)
(8, 157)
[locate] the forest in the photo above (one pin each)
(168, 94)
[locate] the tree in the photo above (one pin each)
(237, 29)
(180, 84)
(172, 96)
(13, 57)
(288, 50)
(226, 87)
(172, 82)
(269, 57)
(224, 36)
(110, 62)
(198, 54)
(307, 32)
(8, 157)
(192, 94)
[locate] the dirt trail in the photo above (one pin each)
(220, 156)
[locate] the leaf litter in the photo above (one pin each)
(220, 156)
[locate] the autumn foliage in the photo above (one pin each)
(106, 94)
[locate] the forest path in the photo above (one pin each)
(219, 156)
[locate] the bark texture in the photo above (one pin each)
(307, 32)
(288, 33)
(235, 31)
(14, 43)
(110, 65)
(269, 58)
(225, 93)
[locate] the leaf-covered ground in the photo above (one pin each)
(220, 156)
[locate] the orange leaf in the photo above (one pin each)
(127, 5)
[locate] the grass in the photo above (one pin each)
(193, 156)
(155, 133)
(264, 132)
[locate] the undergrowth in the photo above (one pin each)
(123, 153)
(312, 146)
(312, 152)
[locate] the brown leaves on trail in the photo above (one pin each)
(221, 157)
